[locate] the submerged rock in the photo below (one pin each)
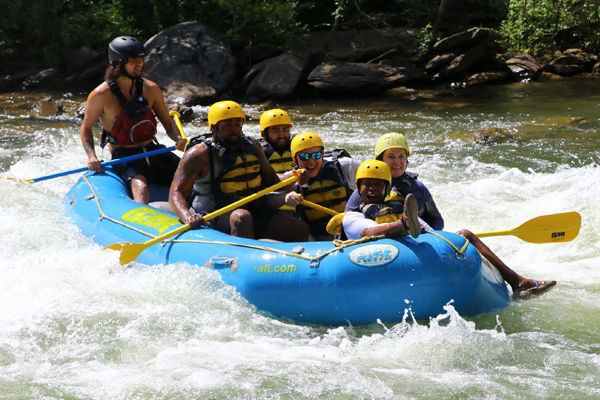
(486, 77)
(48, 107)
(487, 136)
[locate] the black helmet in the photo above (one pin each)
(125, 47)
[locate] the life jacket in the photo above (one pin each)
(401, 186)
(331, 191)
(135, 123)
(388, 211)
(240, 172)
(280, 162)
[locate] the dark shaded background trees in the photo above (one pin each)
(48, 30)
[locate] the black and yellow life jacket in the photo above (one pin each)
(281, 162)
(388, 211)
(240, 172)
(401, 186)
(330, 191)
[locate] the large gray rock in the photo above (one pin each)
(519, 66)
(276, 77)
(572, 61)
(361, 45)
(356, 78)
(38, 78)
(408, 69)
(462, 62)
(437, 62)
(464, 39)
(191, 62)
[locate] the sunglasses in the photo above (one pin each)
(307, 156)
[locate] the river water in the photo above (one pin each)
(493, 157)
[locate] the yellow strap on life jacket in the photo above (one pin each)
(281, 163)
(243, 179)
(328, 194)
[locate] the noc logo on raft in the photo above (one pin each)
(558, 234)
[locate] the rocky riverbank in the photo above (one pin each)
(194, 65)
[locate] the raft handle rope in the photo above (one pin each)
(314, 261)
(338, 246)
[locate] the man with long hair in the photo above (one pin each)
(126, 105)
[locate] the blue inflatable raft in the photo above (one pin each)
(313, 282)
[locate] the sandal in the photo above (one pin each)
(410, 216)
(541, 287)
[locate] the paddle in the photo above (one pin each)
(104, 164)
(553, 228)
(312, 205)
(175, 116)
(131, 251)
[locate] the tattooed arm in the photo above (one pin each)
(193, 164)
(93, 111)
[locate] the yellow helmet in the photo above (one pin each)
(224, 110)
(391, 140)
(274, 117)
(304, 141)
(374, 169)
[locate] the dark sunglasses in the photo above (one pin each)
(306, 156)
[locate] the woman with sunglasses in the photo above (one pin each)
(331, 181)
(392, 148)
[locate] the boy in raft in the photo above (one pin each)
(376, 216)
(330, 182)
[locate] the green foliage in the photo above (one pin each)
(50, 28)
(261, 21)
(425, 37)
(533, 26)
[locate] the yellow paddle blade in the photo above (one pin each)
(17, 179)
(176, 116)
(131, 251)
(552, 228)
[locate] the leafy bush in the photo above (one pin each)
(532, 26)
(50, 28)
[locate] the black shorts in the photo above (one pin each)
(158, 169)
(261, 217)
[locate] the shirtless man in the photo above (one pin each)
(126, 105)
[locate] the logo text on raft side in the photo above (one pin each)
(373, 255)
(147, 216)
(275, 269)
